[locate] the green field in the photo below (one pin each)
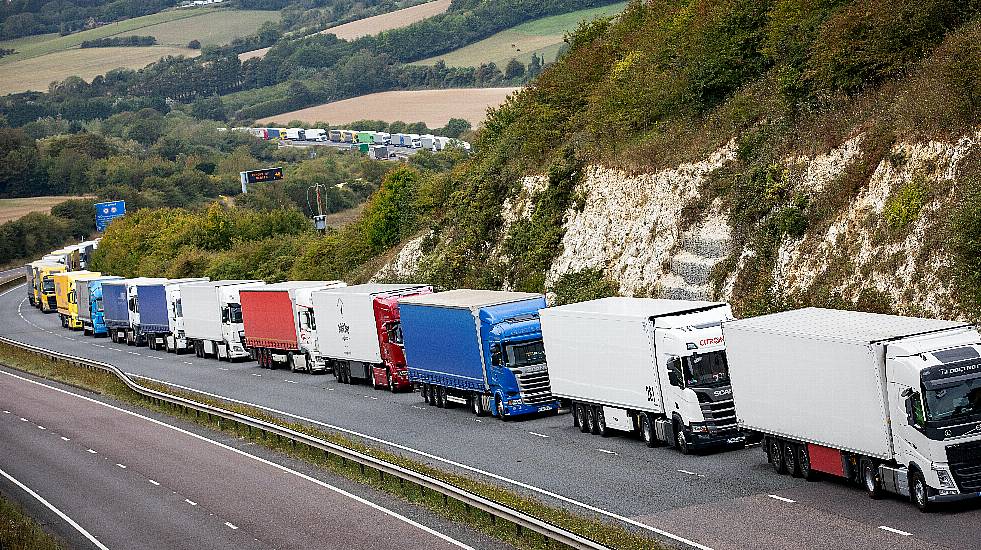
(542, 37)
(171, 28)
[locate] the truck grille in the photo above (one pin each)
(964, 460)
(720, 413)
(535, 386)
(52, 302)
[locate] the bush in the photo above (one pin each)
(903, 208)
(580, 286)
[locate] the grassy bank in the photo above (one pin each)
(608, 534)
(20, 532)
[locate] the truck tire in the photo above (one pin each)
(590, 418)
(599, 422)
(790, 459)
(775, 451)
(390, 381)
(310, 362)
(477, 404)
(500, 408)
(919, 492)
(440, 397)
(804, 463)
(871, 480)
(577, 416)
(647, 430)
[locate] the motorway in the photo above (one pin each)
(114, 478)
(719, 501)
(400, 152)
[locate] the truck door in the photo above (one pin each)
(906, 413)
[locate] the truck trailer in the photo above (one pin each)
(176, 340)
(656, 368)
(212, 317)
(66, 293)
(316, 134)
(90, 306)
(271, 322)
(295, 134)
(360, 335)
(482, 348)
(892, 403)
(122, 313)
(150, 317)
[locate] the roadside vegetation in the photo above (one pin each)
(597, 529)
(19, 531)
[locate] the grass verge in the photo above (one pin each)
(609, 534)
(20, 531)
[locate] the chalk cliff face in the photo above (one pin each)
(633, 228)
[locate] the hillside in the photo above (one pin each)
(541, 37)
(768, 154)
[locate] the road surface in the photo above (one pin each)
(719, 501)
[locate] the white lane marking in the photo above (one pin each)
(230, 526)
(783, 499)
(51, 507)
(538, 434)
(13, 289)
(93, 452)
(453, 463)
(696, 474)
(98, 345)
(417, 407)
(280, 467)
(220, 368)
(608, 452)
(41, 428)
(6, 412)
(63, 438)
(132, 353)
(255, 374)
(187, 362)
(191, 502)
(289, 381)
(897, 531)
(22, 419)
(157, 483)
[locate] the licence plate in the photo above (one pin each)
(545, 408)
(735, 440)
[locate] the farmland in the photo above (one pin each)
(542, 37)
(434, 107)
(12, 209)
(42, 59)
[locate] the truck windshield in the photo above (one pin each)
(526, 353)
(234, 313)
(954, 402)
(706, 369)
(48, 285)
(98, 304)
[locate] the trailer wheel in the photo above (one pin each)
(599, 422)
(804, 463)
(647, 430)
(871, 480)
(790, 459)
(577, 415)
(775, 449)
(919, 492)
(590, 419)
(424, 392)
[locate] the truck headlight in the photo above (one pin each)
(943, 475)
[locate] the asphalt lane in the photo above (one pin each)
(547, 457)
(134, 482)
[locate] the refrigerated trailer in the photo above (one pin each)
(652, 367)
(359, 332)
(271, 323)
(90, 306)
(482, 348)
(212, 317)
(893, 403)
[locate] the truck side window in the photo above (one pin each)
(496, 355)
(224, 315)
(916, 404)
(675, 377)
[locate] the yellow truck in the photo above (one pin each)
(66, 296)
(47, 299)
(34, 280)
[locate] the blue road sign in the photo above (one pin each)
(105, 212)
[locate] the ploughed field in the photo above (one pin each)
(12, 209)
(434, 107)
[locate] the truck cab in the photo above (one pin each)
(91, 311)
(516, 354)
(47, 295)
(934, 397)
(232, 329)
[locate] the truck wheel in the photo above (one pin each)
(804, 463)
(577, 415)
(647, 430)
(590, 419)
(500, 408)
(291, 361)
(790, 459)
(681, 440)
(599, 424)
(871, 480)
(775, 449)
(424, 392)
(477, 404)
(390, 381)
(919, 492)
(441, 397)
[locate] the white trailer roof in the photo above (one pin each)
(641, 308)
(463, 298)
(292, 285)
(372, 288)
(843, 326)
(222, 283)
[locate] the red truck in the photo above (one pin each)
(271, 324)
(360, 335)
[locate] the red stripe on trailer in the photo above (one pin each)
(826, 460)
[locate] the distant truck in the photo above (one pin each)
(427, 141)
(176, 340)
(378, 152)
(90, 306)
(334, 135)
(212, 317)
(893, 403)
(149, 315)
(656, 368)
(365, 136)
(66, 295)
(271, 322)
(316, 134)
(359, 332)
(481, 348)
(382, 138)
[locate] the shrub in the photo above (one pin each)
(580, 286)
(903, 208)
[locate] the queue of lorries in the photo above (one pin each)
(363, 138)
(892, 403)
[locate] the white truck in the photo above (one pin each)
(892, 403)
(176, 341)
(316, 134)
(652, 367)
(383, 138)
(213, 318)
(427, 141)
(295, 134)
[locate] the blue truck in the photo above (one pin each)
(481, 348)
(149, 317)
(90, 305)
(115, 312)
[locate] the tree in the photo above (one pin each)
(455, 127)
(390, 216)
(514, 69)
(535, 66)
(194, 44)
